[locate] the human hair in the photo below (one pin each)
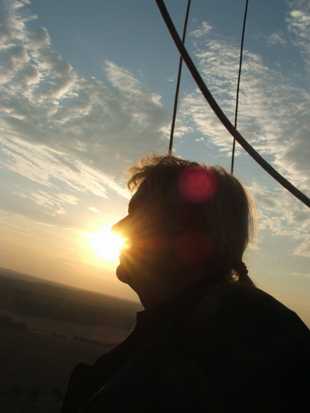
(203, 198)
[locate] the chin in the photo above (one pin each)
(124, 269)
(123, 274)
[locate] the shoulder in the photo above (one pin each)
(247, 336)
(246, 313)
(233, 300)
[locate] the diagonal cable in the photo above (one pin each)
(221, 115)
(238, 85)
(177, 90)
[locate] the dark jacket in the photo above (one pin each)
(234, 348)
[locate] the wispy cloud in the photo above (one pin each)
(52, 203)
(298, 22)
(46, 167)
(202, 30)
(57, 126)
(272, 110)
(279, 214)
(276, 39)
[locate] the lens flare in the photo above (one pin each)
(197, 184)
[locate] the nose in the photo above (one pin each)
(121, 226)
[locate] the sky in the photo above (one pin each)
(87, 90)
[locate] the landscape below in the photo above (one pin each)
(46, 329)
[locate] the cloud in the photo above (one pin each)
(15, 58)
(303, 249)
(94, 210)
(276, 39)
(272, 110)
(202, 30)
(38, 38)
(279, 214)
(58, 127)
(53, 204)
(47, 167)
(298, 22)
(122, 79)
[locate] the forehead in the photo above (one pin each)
(143, 199)
(134, 202)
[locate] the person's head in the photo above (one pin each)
(185, 221)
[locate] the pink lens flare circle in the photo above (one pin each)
(197, 184)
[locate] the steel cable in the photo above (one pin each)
(221, 115)
(176, 97)
(238, 85)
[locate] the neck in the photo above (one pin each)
(158, 292)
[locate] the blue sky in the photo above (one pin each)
(87, 89)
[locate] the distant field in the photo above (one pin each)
(46, 329)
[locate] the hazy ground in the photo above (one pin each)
(46, 329)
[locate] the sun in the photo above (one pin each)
(106, 244)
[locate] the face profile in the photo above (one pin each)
(146, 243)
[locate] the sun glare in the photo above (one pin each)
(106, 244)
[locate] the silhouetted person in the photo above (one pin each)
(208, 339)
